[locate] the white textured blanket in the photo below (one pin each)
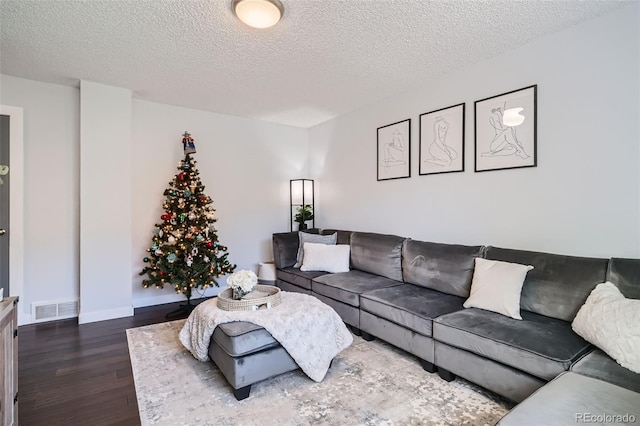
(309, 330)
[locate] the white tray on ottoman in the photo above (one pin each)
(262, 297)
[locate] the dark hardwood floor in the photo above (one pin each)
(72, 374)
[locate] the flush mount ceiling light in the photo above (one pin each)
(258, 13)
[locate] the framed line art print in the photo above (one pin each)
(442, 140)
(506, 130)
(394, 150)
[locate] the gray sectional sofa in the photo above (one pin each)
(411, 293)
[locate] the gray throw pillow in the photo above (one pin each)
(305, 237)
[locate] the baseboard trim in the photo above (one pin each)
(87, 317)
(161, 299)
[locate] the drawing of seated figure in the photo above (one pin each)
(441, 153)
(505, 140)
(394, 150)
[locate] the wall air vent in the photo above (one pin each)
(53, 310)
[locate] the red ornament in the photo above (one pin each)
(202, 198)
(181, 176)
(209, 244)
(161, 273)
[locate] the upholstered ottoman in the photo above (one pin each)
(573, 398)
(246, 353)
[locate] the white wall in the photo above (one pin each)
(51, 187)
(582, 199)
(244, 164)
(105, 202)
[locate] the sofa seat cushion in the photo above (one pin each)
(539, 345)
(410, 306)
(298, 277)
(599, 365)
(285, 286)
(575, 399)
(348, 286)
(242, 338)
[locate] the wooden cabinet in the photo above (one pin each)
(9, 361)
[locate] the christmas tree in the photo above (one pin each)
(185, 252)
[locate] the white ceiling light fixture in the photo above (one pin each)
(258, 13)
(512, 117)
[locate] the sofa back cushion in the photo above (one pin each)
(558, 285)
(344, 237)
(625, 274)
(285, 248)
(444, 267)
(377, 254)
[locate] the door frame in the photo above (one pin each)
(16, 201)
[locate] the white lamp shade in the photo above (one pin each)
(258, 13)
(308, 190)
(301, 191)
(512, 117)
(296, 192)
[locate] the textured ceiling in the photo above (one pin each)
(324, 58)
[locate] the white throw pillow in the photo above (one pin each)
(496, 287)
(327, 258)
(611, 322)
(305, 237)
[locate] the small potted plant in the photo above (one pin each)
(304, 214)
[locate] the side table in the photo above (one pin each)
(267, 273)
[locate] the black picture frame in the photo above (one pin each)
(442, 135)
(502, 146)
(393, 157)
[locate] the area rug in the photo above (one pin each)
(369, 383)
